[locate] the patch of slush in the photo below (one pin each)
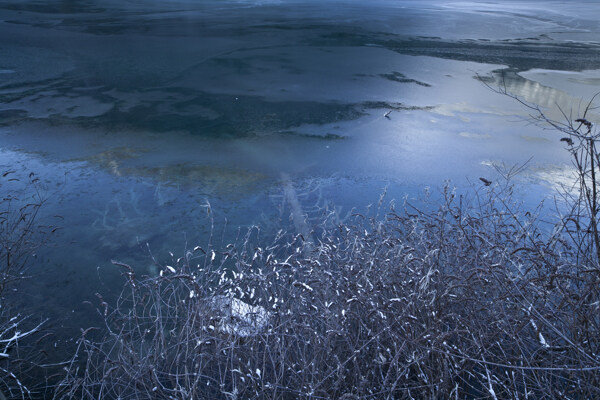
(473, 135)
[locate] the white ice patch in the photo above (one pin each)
(238, 318)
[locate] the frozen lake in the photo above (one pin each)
(136, 114)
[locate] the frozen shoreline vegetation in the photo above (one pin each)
(477, 298)
(473, 300)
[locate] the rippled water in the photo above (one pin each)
(138, 114)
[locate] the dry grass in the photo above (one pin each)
(21, 235)
(473, 300)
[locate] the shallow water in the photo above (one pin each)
(138, 114)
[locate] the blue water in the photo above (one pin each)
(138, 115)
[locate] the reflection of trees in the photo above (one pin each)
(550, 99)
(534, 92)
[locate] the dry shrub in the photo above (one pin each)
(21, 235)
(472, 300)
(475, 299)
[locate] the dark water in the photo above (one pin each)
(137, 115)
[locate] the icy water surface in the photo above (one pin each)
(137, 115)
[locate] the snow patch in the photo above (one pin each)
(238, 318)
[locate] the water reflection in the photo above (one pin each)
(285, 114)
(549, 98)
